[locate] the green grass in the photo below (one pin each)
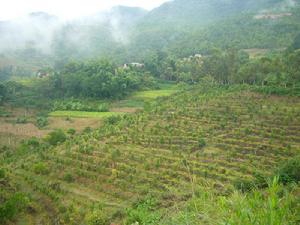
(138, 99)
(153, 94)
(80, 114)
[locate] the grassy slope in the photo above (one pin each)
(158, 153)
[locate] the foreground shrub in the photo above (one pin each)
(97, 217)
(143, 213)
(290, 171)
(56, 137)
(11, 207)
(275, 205)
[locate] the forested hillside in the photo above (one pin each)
(178, 28)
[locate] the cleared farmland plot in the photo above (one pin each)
(188, 139)
(153, 94)
(80, 114)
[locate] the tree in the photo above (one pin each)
(3, 93)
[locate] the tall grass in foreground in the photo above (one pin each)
(276, 205)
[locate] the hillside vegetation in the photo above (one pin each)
(187, 114)
(157, 159)
(179, 28)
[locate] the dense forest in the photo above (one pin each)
(103, 79)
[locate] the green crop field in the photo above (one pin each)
(190, 140)
(153, 94)
(80, 114)
(164, 91)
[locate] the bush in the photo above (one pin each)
(244, 185)
(290, 171)
(112, 120)
(71, 131)
(68, 177)
(42, 122)
(87, 130)
(4, 113)
(14, 205)
(32, 142)
(56, 137)
(97, 217)
(21, 120)
(103, 108)
(201, 143)
(143, 213)
(41, 168)
(2, 173)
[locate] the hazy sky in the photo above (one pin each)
(67, 9)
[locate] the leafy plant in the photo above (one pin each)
(290, 171)
(42, 122)
(143, 213)
(22, 120)
(201, 143)
(2, 173)
(112, 120)
(41, 168)
(56, 137)
(71, 131)
(11, 207)
(68, 177)
(97, 217)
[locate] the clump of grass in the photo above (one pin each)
(12, 206)
(276, 205)
(68, 177)
(71, 131)
(201, 143)
(143, 213)
(22, 120)
(41, 168)
(290, 171)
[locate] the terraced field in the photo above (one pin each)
(188, 139)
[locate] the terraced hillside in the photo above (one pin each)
(191, 138)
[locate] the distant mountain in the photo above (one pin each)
(178, 27)
(201, 12)
(191, 26)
